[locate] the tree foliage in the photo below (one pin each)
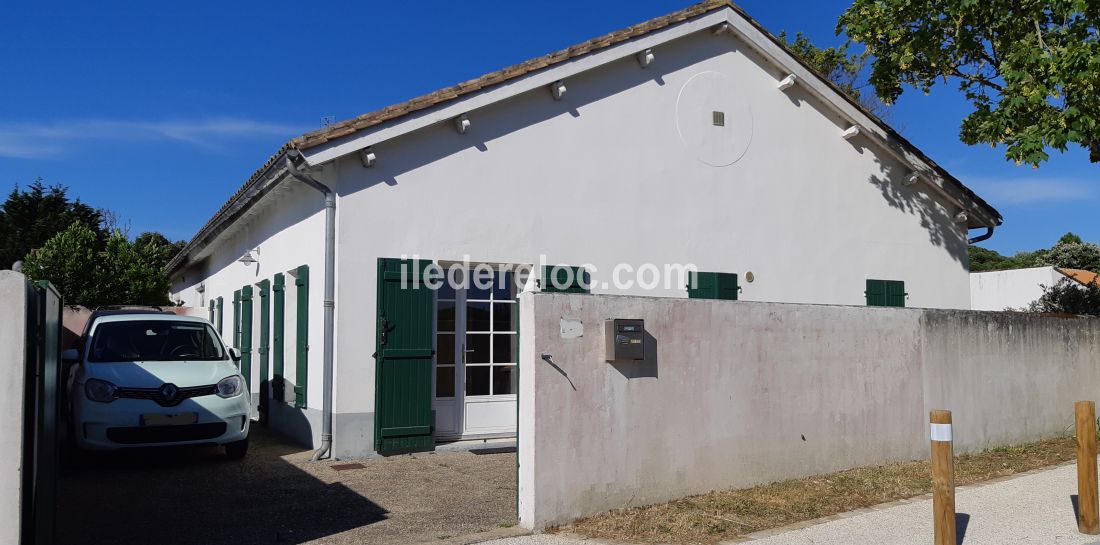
(1070, 252)
(1069, 297)
(1030, 68)
(843, 68)
(118, 272)
(1074, 255)
(28, 218)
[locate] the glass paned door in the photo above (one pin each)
(475, 372)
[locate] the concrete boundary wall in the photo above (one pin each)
(735, 393)
(13, 357)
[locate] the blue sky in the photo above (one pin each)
(159, 111)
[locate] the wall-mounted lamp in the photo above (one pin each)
(367, 157)
(962, 217)
(788, 82)
(645, 58)
(850, 132)
(557, 89)
(462, 124)
(247, 259)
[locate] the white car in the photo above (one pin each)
(145, 379)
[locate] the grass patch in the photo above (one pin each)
(727, 514)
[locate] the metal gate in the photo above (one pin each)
(42, 404)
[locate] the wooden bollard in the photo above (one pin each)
(1088, 509)
(943, 478)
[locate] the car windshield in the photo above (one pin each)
(155, 340)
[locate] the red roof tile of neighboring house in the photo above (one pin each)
(1081, 275)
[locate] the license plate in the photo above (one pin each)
(160, 419)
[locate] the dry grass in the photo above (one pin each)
(727, 514)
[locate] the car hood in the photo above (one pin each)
(152, 374)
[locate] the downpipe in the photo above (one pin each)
(984, 236)
(325, 450)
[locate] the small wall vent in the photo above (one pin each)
(718, 118)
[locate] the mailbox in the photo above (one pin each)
(624, 339)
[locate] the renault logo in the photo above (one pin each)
(169, 392)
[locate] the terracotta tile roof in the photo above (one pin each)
(1081, 275)
(350, 126)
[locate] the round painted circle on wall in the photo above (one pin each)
(714, 119)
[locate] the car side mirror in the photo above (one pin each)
(70, 355)
(234, 354)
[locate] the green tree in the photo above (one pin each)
(159, 247)
(28, 218)
(120, 273)
(1030, 68)
(839, 66)
(1074, 255)
(984, 259)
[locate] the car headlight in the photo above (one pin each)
(230, 386)
(100, 390)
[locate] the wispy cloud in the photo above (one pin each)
(51, 139)
(1033, 190)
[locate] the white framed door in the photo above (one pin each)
(476, 355)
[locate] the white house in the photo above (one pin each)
(692, 139)
(1015, 289)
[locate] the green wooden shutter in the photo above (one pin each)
(263, 349)
(403, 399)
(278, 383)
(301, 336)
(220, 331)
(876, 293)
(237, 319)
(713, 285)
(564, 279)
(895, 293)
(246, 334)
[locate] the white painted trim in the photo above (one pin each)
(940, 432)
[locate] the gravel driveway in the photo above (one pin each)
(275, 495)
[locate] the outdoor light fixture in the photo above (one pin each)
(911, 179)
(557, 89)
(367, 157)
(961, 217)
(462, 123)
(788, 82)
(850, 132)
(247, 259)
(645, 58)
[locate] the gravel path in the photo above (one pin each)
(1035, 508)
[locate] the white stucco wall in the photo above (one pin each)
(603, 178)
(623, 170)
(13, 357)
(734, 394)
(288, 228)
(1014, 289)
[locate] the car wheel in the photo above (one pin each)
(237, 449)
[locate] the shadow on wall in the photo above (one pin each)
(936, 218)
